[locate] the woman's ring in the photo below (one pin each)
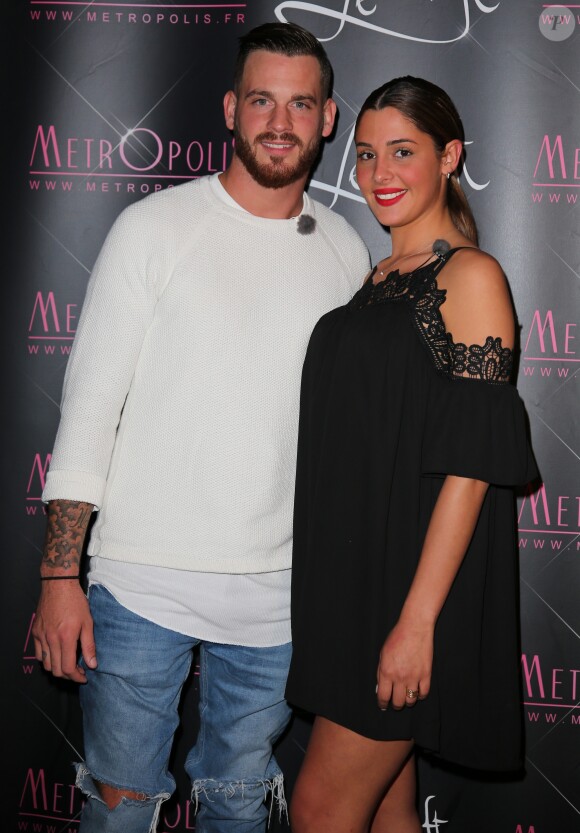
(412, 693)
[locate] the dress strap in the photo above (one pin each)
(449, 254)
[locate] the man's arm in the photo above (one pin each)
(62, 616)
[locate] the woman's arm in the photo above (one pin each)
(407, 654)
(477, 306)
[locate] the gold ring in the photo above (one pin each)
(412, 693)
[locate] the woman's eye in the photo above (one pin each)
(365, 155)
(402, 153)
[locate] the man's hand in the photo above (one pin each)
(62, 621)
(63, 618)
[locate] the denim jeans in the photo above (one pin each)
(130, 717)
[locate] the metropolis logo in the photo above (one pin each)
(44, 801)
(36, 483)
(550, 346)
(552, 689)
(139, 161)
(557, 171)
(52, 325)
(63, 11)
(28, 656)
(548, 522)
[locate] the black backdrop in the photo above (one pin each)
(105, 102)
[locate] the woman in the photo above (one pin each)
(404, 605)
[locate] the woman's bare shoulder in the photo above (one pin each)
(478, 302)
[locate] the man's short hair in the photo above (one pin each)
(284, 39)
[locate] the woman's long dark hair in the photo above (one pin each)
(432, 112)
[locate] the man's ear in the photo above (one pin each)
(328, 116)
(230, 101)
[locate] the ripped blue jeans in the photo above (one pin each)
(130, 717)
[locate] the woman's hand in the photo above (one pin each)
(405, 663)
(406, 659)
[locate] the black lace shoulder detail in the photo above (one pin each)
(489, 362)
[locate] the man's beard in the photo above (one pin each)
(277, 173)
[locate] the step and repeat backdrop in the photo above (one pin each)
(106, 102)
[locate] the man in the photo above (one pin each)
(179, 425)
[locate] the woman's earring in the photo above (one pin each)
(448, 174)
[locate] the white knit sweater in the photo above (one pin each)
(180, 404)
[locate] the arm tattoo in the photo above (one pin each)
(68, 521)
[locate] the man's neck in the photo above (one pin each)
(271, 203)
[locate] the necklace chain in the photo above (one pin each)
(406, 257)
(438, 249)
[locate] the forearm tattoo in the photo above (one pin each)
(65, 534)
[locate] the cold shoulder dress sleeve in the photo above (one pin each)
(390, 405)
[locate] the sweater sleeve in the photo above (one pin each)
(358, 258)
(347, 244)
(116, 314)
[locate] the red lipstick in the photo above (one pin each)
(389, 196)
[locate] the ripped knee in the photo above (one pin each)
(131, 809)
(210, 789)
(112, 795)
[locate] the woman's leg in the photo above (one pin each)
(397, 812)
(344, 779)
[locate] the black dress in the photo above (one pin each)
(386, 413)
